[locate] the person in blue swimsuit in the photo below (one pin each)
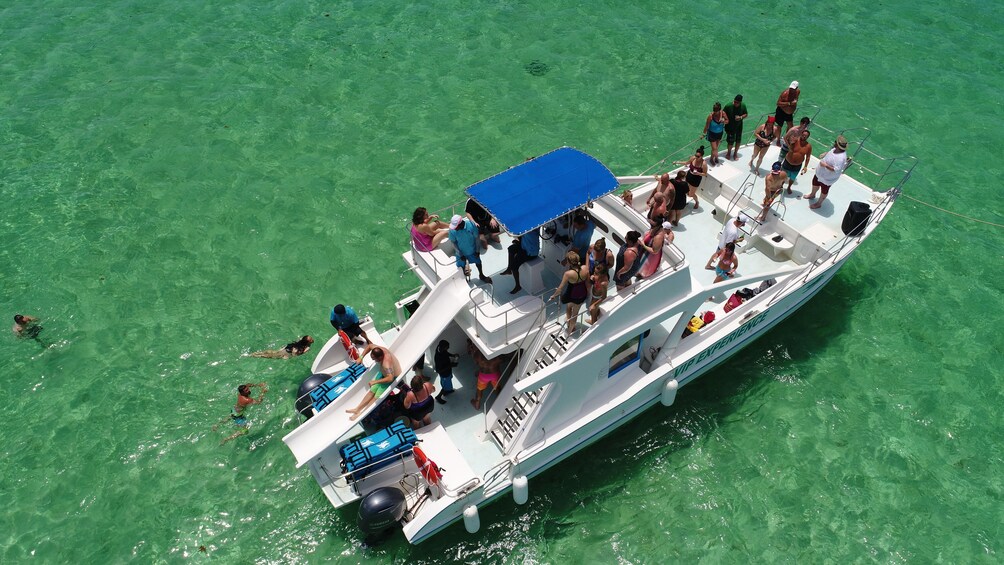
(714, 127)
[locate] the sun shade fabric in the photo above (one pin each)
(533, 193)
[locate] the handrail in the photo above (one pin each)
(494, 472)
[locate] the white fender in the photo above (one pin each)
(471, 519)
(520, 489)
(669, 392)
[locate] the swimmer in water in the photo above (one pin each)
(26, 326)
(237, 412)
(298, 347)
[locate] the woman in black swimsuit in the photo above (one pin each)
(418, 403)
(765, 135)
(697, 169)
(680, 191)
(298, 347)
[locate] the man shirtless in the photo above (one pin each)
(773, 185)
(390, 369)
(489, 372)
(799, 154)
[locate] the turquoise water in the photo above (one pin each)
(187, 181)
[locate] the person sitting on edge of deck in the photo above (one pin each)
(418, 402)
(427, 231)
(344, 318)
(390, 369)
(522, 249)
(488, 227)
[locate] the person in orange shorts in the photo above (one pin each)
(489, 373)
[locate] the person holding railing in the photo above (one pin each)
(831, 166)
(773, 187)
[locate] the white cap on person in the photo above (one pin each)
(455, 221)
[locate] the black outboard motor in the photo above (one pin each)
(855, 218)
(381, 510)
(303, 402)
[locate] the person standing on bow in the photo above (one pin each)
(464, 237)
(697, 169)
(798, 155)
(764, 135)
(735, 114)
(773, 187)
(630, 257)
(787, 103)
(714, 128)
(831, 166)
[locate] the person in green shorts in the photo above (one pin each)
(736, 112)
(390, 369)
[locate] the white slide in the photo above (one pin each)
(419, 332)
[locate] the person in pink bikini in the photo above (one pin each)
(427, 231)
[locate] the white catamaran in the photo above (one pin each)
(560, 392)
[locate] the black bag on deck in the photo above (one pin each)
(855, 218)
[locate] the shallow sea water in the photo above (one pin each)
(188, 181)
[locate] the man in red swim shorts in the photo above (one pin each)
(488, 373)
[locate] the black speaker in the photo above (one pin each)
(855, 218)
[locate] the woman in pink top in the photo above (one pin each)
(427, 232)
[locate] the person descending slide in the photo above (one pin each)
(390, 369)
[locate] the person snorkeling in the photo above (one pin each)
(237, 415)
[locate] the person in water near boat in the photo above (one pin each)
(427, 230)
(390, 369)
(489, 373)
(298, 347)
(444, 362)
(714, 127)
(573, 289)
(729, 234)
(735, 114)
(630, 257)
(697, 169)
(798, 155)
(26, 326)
(464, 236)
(419, 403)
(344, 318)
(728, 263)
(237, 413)
(765, 134)
(787, 103)
(522, 249)
(831, 166)
(600, 284)
(773, 187)
(488, 227)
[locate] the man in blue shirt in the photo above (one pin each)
(522, 249)
(464, 237)
(344, 318)
(582, 235)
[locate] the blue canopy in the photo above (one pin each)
(533, 193)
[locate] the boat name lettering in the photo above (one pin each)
(742, 330)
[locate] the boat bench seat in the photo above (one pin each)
(781, 247)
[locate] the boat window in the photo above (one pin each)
(626, 354)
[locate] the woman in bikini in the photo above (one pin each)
(574, 288)
(765, 135)
(427, 231)
(727, 263)
(601, 281)
(714, 127)
(697, 169)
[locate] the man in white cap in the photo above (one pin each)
(831, 166)
(730, 234)
(787, 102)
(464, 236)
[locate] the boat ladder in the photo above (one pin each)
(521, 405)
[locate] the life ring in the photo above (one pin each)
(347, 344)
(432, 473)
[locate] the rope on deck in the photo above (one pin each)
(953, 213)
